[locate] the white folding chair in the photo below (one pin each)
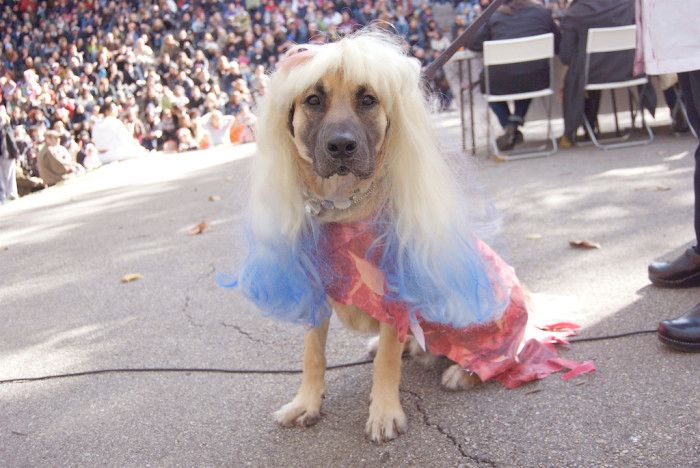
(510, 51)
(615, 39)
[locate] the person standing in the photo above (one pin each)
(8, 158)
(668, 42)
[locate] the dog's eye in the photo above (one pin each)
(368, 101)
(313, 100)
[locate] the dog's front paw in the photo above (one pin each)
(300, 411)
(386, 421)
(455, 378)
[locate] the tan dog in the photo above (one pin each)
(344, 133)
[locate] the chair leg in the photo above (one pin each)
(680, 105)
(591, 133)
(606, 144)
(614, 103)
(490, 144)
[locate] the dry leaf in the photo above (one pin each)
(661, 188)
(198, 229)
(129, 277)
(533, 236)
(584, 244)
(214, 197)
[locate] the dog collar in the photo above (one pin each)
(316, 206)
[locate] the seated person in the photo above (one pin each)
(185, 140)
(516, 18)
(575, 22)
(113, 139)
(217, 127)
(55, 162)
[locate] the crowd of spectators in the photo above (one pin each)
(179, 74)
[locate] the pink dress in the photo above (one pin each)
(498, 350)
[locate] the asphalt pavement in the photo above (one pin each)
(64, 309)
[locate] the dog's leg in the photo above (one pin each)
(305, 408)
(386, 417)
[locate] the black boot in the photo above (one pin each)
(682, 333)
(510, 138)
(683, 272)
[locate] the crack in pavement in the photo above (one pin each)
(242, 332)
(191, 319)
(426, 421)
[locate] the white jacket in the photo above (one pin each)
(668, 36)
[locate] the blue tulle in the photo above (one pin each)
(452, 287)
(283, 282)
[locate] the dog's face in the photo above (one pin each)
(339, 128)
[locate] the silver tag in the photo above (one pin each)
(312, 207)
(342, 204)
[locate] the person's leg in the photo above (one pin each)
(502, 112)
(11, 182)
(2, 180)
(683, 333)
(670, 98)
(591, 105)
(690, 93)
(519, 111)
(685, 271)
(689, 83)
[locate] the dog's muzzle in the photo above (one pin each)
(343, 152)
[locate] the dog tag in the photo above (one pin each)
(342, 204)
(312, 207)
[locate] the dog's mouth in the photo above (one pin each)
(327, 170)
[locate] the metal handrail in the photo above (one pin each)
(463, 39)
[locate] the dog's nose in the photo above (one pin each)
(342, 145)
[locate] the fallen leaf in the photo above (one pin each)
(214, 197)
(129, 277)
(584, 244)
(661, 188)
(199, 228)
(533, 236)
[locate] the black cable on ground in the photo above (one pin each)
(192, 370)
(610, 337)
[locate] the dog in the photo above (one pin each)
(355, 211)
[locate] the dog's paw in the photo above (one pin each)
(411, 348)
(385, 422)
(373, 345)
(303, 412)
(455, 378)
